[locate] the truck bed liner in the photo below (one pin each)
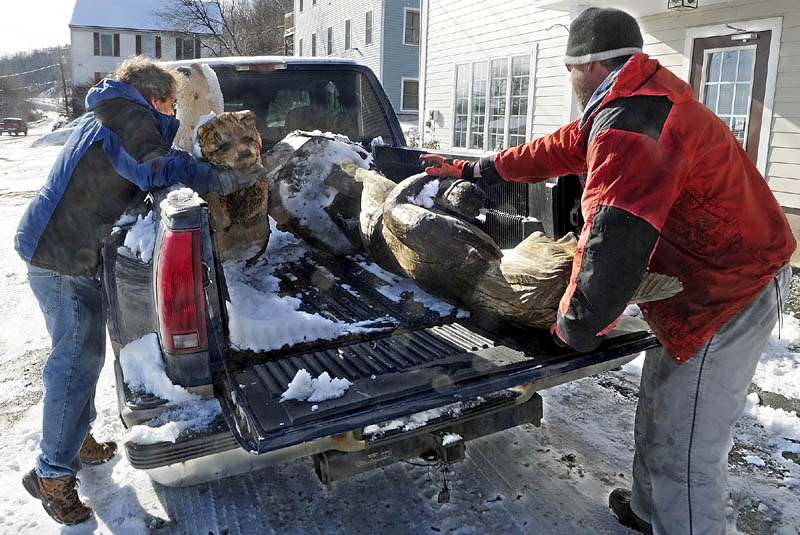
(424, 362)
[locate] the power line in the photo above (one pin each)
(35, 86)
(28, 72)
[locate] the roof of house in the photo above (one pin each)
(125, 14)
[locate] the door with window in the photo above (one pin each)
(729, 75)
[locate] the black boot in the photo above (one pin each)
(620, 502)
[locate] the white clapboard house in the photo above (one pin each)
(105, 32)
(492, 73)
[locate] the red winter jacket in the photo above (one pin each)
(670, 190)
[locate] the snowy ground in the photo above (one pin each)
(551, 479)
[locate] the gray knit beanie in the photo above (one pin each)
(601, 33)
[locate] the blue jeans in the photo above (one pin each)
(685, 418)
(75, 314)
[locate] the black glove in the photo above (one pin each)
(227, 181)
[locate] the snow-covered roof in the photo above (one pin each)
(124, 14)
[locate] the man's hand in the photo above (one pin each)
(557, 336)
(442, 167)
(227, 181)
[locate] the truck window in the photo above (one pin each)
(341, 102)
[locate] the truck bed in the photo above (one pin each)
(422, 362)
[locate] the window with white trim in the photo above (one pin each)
(313, 44)
(728, 85)
(330, 40)
(491, 104)
(300, 47)
(411, 27)
(301, 5)
(409, 97)
(347, 34)
(368, 28)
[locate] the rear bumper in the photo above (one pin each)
(215, 454)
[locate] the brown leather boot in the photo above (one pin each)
(58, 496)
(93, 452)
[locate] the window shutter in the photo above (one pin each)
(178, 48)
(96, 43)
(158, 47)
(116, 45)
(197, 48)
(138, 45)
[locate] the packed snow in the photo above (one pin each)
(307, 196)
(141, 237)
(400, 288)
(425, 197)
(528, 480)
(305, 388)
(262, 319)
(143, 370)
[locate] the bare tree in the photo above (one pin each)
(240, 27)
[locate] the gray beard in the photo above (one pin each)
(583, 93)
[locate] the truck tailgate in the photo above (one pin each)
(423, 362)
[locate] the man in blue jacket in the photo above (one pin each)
(121, 147)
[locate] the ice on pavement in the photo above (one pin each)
(304, 388)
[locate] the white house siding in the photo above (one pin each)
(399, 60)
(317, 18)
(85, 64)
(473, 30)
(665, 40)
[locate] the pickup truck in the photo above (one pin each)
(13, 125)
(458, 378)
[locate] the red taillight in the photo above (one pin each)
(181, 306)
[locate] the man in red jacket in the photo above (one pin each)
(668, 188)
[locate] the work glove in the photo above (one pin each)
(443, 167)
(557, 337)
(227, 181)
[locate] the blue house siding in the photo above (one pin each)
(386, 55)
(399, 60)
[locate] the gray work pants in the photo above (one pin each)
(685, 419)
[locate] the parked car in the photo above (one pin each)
(14, 125)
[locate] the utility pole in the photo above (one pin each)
(64, 85)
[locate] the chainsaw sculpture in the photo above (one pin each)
(445, 253)
(230, 140)
(423, 228)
